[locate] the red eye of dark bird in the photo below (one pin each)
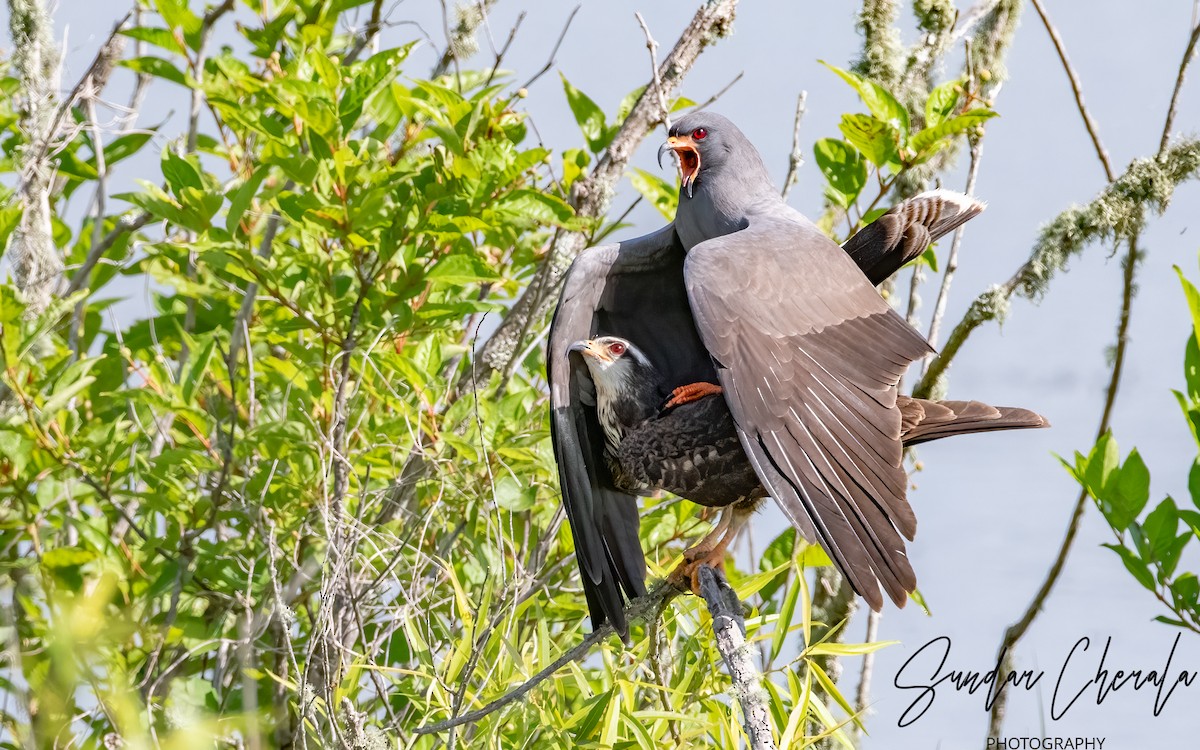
(699, 134)
(617, 348)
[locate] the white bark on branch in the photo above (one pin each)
(730, 631)
(35, 258)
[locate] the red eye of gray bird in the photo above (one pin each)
(699, 134)
(617, 348)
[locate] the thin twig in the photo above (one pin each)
(374, 24)
(652, 46)
(939, 307)
(720, 92)
(795, 158)
(1076, 88)
(1188, 54)
(553, 52)
(863, 698)
(128, 223)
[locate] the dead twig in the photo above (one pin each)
(652, 46)
(795, 158)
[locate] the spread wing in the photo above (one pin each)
(634, 290)
(809, 356)
(906, 230)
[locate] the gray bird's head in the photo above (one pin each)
(629, 388)
(711, 148)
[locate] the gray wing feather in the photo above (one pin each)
(810, 355)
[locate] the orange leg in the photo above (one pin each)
(694, 392)
(711, 549)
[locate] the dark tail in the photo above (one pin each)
(923, 420)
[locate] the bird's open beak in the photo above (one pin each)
(689, 159)
(588, 349)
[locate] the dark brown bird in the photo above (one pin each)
(684, 441)
(742, 291)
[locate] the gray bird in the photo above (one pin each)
(742, 292)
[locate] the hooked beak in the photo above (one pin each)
(588, 348)
(689, 159)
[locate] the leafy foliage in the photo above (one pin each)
(1152, 545)
(210, 525)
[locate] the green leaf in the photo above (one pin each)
(1131, 490)
(179, 172)
(879, 100)
(844, 169)
(929, 138)
(157, 67)
(1185, 590)
(124, 147)
(942, 101)
(1102, 461)
(1134, 565)
(877, 140)
(663, 195)
(196, 369)
(929, 258)
(1193, 300)
(176, 15)
(461, 269)
(511, 496)
(67, 557)
(158, 37)
(784, 623)
(589, 116)
(1160, 526)
(241, 199)
(1191, 368)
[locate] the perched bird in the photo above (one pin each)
(684, 440)
(742, 292)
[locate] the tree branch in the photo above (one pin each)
(729, 630)
(592, 195)
(1076, 89)
(36, 262)
(796, 157)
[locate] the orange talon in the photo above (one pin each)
(712, 548)
(685, 394)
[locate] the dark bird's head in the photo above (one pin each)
(709, 145)
(629, 389)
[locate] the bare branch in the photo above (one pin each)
(554, 52)
(128, 223)
(592, 195)
(795, 158)
(1188, 55)
(368, 34)
(1076, 88)
(730, 631)
(652, 46)
(939, 307)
